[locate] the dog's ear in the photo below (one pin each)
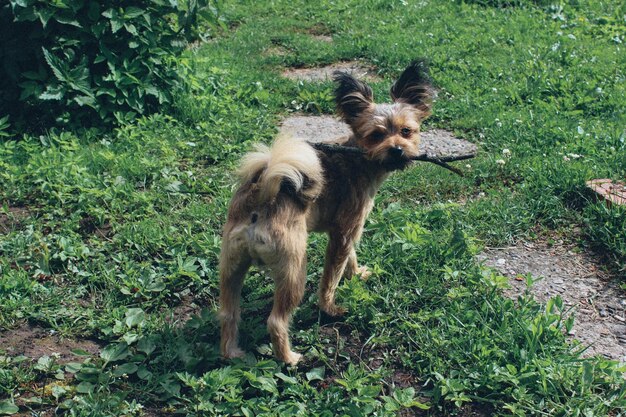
(415, 87)
(352, 96)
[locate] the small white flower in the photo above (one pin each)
(573, 155)
(506, 153)
(494, 89)
(468, 166)
(500, 162)
(580, 130)
(566, 158)
(571, 36)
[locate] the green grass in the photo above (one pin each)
(122, 227)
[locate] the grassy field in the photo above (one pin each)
(113, 236)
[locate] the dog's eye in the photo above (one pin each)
(378, 136)
(405, 132)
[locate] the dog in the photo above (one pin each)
(293, 188)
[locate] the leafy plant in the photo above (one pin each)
(89, 62)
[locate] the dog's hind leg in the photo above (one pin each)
(289, 273)
(234, 264)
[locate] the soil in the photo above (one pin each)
(596, 300)
(323, 38)
(325, 73)
(35, 342)
(13, 219)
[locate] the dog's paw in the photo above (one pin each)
(364, 272)
(233, 353)
(334, 310)
(292, 358)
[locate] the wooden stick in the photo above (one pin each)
(441, 161)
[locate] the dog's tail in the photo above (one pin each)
(290, 165)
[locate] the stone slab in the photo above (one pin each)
(328, 129)
(614, 192)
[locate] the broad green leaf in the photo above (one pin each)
(57, 66)
(116, 352)
(73, 367)
(286, 378)
(8, 408)
(126, 368)
(44, 14)
(316, 374)
(146, 345)
(133, 12)
(143, 372)
(85, 387)
(135, 317)
(85, 101)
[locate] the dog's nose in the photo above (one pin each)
(396, 152)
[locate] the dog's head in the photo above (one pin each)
(389, 133)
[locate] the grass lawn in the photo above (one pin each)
(113, 236)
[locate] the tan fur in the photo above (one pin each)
(287, 159)
(291, 189)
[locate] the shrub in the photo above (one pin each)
(87, 62)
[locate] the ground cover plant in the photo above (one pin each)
(112, 235)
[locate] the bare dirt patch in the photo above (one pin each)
(276, 50)
(318, 74)
(185, 311)
(597, 301)
(436, 142)
(13, 219)
(35, 342)
(323, 38)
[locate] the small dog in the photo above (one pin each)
(292, 188)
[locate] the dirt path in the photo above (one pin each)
(597, 301)
(35, 342)
(318, 74)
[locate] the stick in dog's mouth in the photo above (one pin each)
(441, 161)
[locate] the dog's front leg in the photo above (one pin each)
(337, 256)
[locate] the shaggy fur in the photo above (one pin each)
(291, 189)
